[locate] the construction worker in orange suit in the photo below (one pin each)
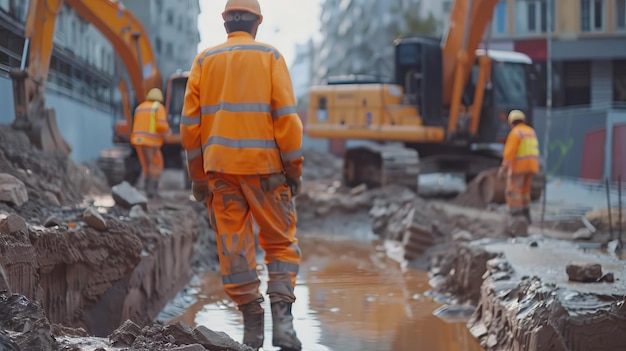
(149, 128)
(243, 140)
(520, 163)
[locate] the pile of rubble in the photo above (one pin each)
(419, 224)
(24, 326)
(321, 166)
(32, 182)
(83, 250)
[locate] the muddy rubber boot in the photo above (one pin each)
(253, 324)
(526, 213)
(151, 187)
(284, 336)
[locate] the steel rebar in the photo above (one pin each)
(608, 201)
(620, 245)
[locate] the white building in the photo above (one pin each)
(358, 35)
(173, 29)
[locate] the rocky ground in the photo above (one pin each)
(90, 267)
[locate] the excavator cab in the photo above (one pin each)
(418, 69)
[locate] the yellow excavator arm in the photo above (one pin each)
(125, 33)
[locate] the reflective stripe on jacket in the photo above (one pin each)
(239, 115)
(149, 124)
(521, 150)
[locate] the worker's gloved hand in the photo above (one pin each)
(295, 185)
(200, 190)
(501, 173)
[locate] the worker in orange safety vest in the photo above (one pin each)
(243, 141)
(149, 128)
(520, 163)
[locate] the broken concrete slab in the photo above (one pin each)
(52, 221)
(193, 347)
(125, 195)
(26, 320)
(584, 272)
(137, 212)
(4, 282)
(526, 302)
(12, 190)
(94, 219)
(126, 334)
(12, 224)
(217, 341)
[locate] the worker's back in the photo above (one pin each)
(239, 103)
(149, 124)
(527, 156)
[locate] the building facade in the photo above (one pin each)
(82, 81)
(588, 55)
(173, 30)
(358, 34)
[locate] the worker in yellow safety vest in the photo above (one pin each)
(520, 163)
(149, 129)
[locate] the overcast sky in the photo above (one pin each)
(285, 23)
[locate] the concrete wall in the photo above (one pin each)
(86, 129)
(6, 100)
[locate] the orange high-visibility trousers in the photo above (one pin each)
(151, 160)
(517, 194)
(234, 200)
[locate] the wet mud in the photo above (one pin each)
(350, 297)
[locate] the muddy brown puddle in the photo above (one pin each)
(350, 297)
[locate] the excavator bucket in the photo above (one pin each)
(38, 122)
(45, 134)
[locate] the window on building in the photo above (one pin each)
(592, 15)
(169, 50)
(169, 17)
(620, 15)
(157, 45)
(619, 81)
(499, 18)
(577, 83)
(531, 16)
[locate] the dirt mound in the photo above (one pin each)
(51, 179)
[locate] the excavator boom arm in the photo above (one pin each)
(468, 22)
(123, 30)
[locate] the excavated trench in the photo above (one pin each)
(95, 262)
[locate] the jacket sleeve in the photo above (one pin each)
(190, 135)
(162, 126)
(287, 124)
(510, 148)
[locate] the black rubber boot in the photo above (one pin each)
(526, 213)
(253, 324)
(152, 186)
(284, 336)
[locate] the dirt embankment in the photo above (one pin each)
(91, 266)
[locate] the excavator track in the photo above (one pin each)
(381, 165)
(119, 164)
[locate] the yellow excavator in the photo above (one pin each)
(445, 111)
(131, 43)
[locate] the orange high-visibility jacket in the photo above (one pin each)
(239, 115)
(150, 124)
(521, 150)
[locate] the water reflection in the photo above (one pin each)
(349, 298)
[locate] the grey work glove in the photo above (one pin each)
(295, 185)
(200, 190)
(501, 173)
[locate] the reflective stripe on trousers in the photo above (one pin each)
(518, 187)
(234, 200)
